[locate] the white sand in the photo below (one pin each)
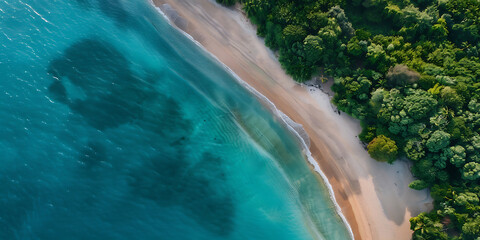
(374, 196)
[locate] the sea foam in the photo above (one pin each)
(294, 127)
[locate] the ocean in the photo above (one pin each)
(115, 125)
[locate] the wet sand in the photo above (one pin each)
(373, 196)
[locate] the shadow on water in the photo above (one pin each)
(13, 210)
(164, 117)
(141, 24)
(94, 80)
(170, 180)
(84, 3)
(58, 91)
(114, 9)
(92, 154)
(111, 8)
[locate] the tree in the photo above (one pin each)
(357, 47)
(419, 103)
(471, 171)
(451, 98)
(418, 185)
(458, 129)
(227, 2)
(457, 155)
(317, 20)
(410, 73)
(330, 42)
(392, 103)
(427, 227)
(292, 34)
(471, 229)
(440, 30)
(425, 170)
(377, 57)
(368, 133)
(273, 36)
(414, 149)
(294, 62)
(445, 157)
(338, 13)
(401, 75)
(438, 141)
(440, 120)
(377, 99)
(313, 49)
(383, 149)
(467, 198)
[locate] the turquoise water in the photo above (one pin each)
(116, 126)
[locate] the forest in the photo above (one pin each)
(409, 70)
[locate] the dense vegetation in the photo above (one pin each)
(227, 2)
(409, 70)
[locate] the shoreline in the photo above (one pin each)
(287, 121)
(374, 206)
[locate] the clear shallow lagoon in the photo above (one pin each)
(116, 126)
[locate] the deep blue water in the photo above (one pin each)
(116, 126)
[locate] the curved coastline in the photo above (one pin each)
(373, 196)
(301, 134)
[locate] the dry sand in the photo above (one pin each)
(373, 196)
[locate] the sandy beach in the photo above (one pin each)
(373, 196)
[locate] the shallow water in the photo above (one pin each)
(116, 126)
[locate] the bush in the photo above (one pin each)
(400, 75)
(418, 185)
(227, 2)
(383, 149)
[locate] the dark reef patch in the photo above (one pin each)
(58, 92)
(93, 154)
(110, 94)
(165, 118)
(169, 179)
(114, 10)
(15, 205)
(93, 78)
(84, 3)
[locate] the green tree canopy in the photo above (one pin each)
(400, 75)
(293, 33)
(414, 149)
(419, 104)
(438, 141)
(457, 155)
(227, 2)
(409, 70)
(427, 227)
(471, 171)
(313, 49)
(383, 149)
(418, 185)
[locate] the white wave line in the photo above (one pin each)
(285, 119)
(38, 14)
